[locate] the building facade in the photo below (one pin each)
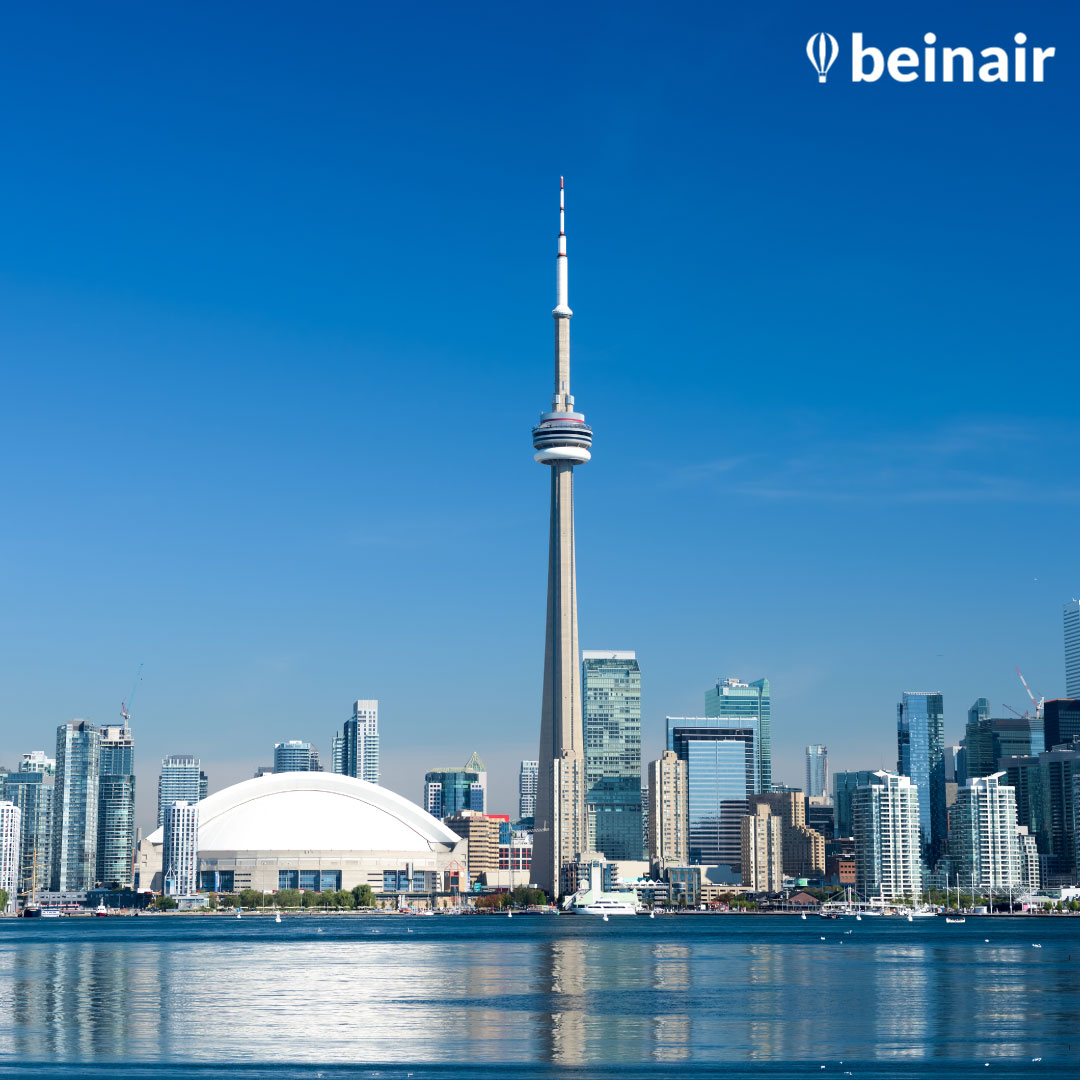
(988, 739)
(1061, 723)
(803, 847)
(1072, 650)
(668, 800)
(1046, 804)
(561, 441)
(10, 852)
(116, 809)
(32, 792)
(296, 755)
(744, 705)
(360, 742)
(817, 771)
(920, 738)
(984, 844)
(181, 780)
(75, 806)
(449, 791)
(762, 850)
(721, 774)
(844, 785)
(180, 849)
(527, 775)
(888, 838)
(611, 693)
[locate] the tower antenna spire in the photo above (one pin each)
(562, 305)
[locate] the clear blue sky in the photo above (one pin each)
(275, 284)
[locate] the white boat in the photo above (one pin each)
(101, 911)
(608, 904)
(950, 918)
(277, 917)
(51, 913)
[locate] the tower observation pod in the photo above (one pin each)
(561, 440)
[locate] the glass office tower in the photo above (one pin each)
(527, 777)
(75, 806)
(611, 703)
(817, 770)
(746, 705)
(920, 739)
(721, 777)
(360, 742)
(1072, 649)
(295, 755)
(844, 785)
(116, 809)
(32, 793)
(448, 791)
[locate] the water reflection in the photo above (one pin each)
(569, 991)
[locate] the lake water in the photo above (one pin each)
(407, 996)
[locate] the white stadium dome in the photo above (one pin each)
(315, 811)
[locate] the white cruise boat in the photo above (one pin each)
(607, 904)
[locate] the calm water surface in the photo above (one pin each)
(401, 996)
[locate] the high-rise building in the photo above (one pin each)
(116, 809)
(611, 692)
(1046, 804)
(1030, 871)
(1072, 650)
(475, 764)
(449, 791)
(762, 850)
(817, 771)
(75, 806)
(721, 776)
(337, 753)
(821, 817)
(844, 785)
(888, 844)
(482, 834)
(988, 739)
(360, 749)
(984, 844)
(669, 807)
(180, 848)
(1061, 722)
(36, 761)
(181, 780)
(804, 848)
(561, 440)
(645, 817)
(527, 775)
(920, 738)
(32, 792)
(746, 705)
(10, 850)
(296, 755)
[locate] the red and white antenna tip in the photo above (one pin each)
(560, 181)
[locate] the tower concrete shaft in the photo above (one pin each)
(561, 440)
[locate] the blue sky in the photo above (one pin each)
(275, 288)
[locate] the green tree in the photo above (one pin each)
(212, 902)
(166, 903)
(228, 900)
(5, 896)
(344, 898)
(309, 899)
(363, 896)
(287, 898)
(523, 896)
(249, 898)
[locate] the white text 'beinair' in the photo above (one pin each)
(934, 63)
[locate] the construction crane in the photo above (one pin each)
(1016, 712)
(1038, 704)
(125, 706)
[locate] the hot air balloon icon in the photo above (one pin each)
(822, 50)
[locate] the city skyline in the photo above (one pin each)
(280, 575)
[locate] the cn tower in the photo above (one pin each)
(562, 440)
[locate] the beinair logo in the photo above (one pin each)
(931, 64)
